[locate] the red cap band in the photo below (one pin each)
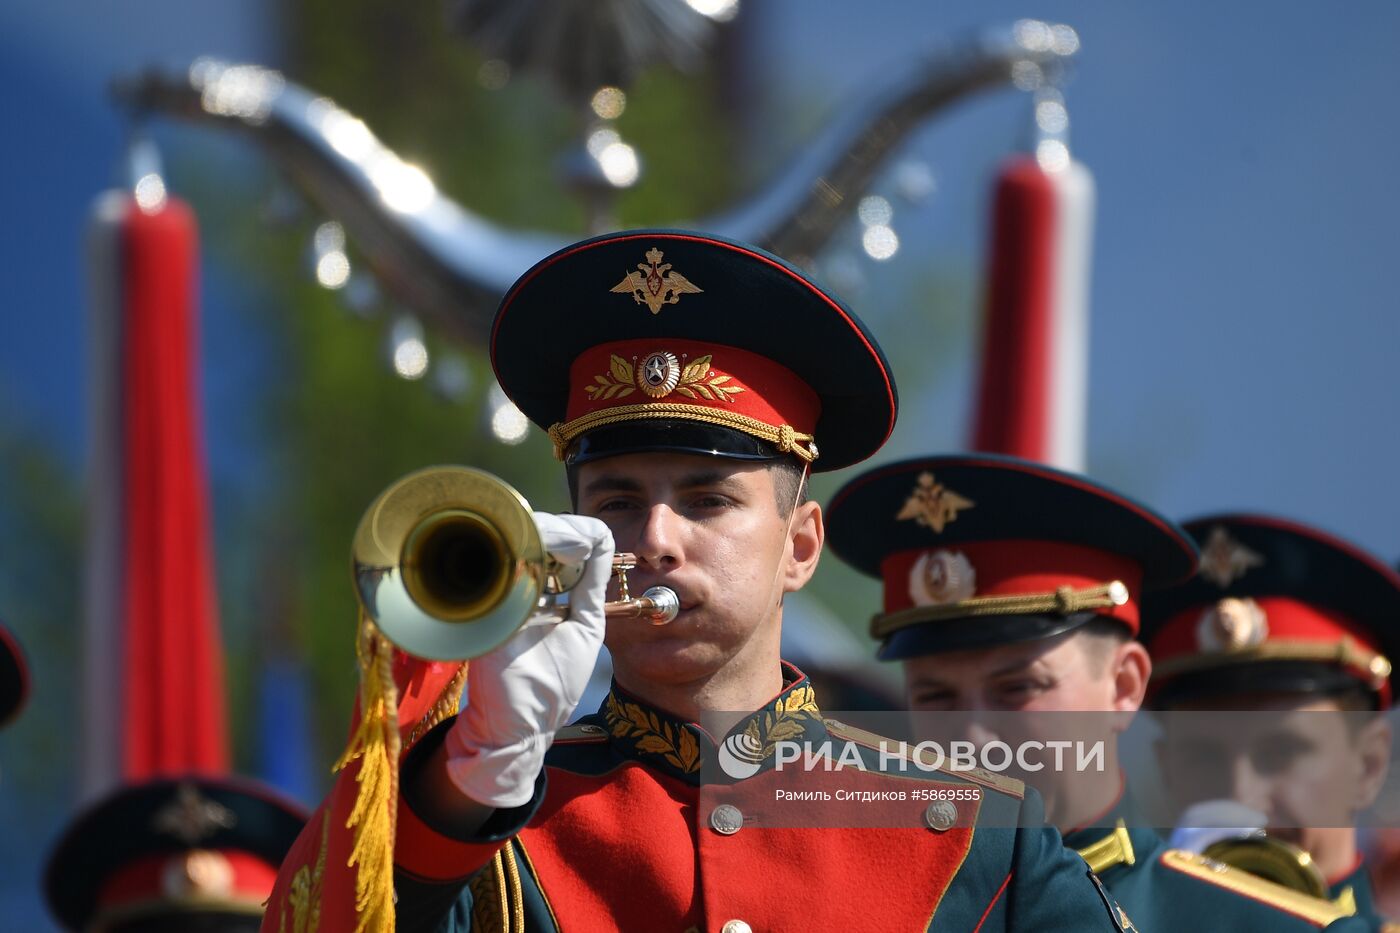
(1023, 568)
(706, 375)
(222, 875)
(1288, 624)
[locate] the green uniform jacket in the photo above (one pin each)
(623, 835)
(1355, 888)
(1168, 890)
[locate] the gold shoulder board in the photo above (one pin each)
(1111, 850)
(998, 782)
(1313, 909)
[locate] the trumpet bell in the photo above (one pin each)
(448, 562)
(1273, 860)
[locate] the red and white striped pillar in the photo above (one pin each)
(1032, 396)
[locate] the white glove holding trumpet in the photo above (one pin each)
(520, 694)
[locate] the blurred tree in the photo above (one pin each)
(40, 574)
(344, 424)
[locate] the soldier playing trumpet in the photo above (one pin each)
(687, 420)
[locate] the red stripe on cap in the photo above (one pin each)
(1288, 620)
(767, 391)
(1021, 568)
(159, 878)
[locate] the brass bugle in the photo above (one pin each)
(1272, 859)
(448, 563)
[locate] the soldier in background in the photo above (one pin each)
(189, 854)
(1013, 591)
(1285, 619)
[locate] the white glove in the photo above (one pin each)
(1206, 823)
(519, 695)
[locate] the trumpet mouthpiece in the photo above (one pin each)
(664, 602)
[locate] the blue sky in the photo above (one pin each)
(1245, 328)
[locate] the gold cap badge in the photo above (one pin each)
(655, 284)
(192, 817)
(1224, 560)
(932, 504)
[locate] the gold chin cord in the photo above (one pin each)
(448, 564)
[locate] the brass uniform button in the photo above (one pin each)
(735, 926)
(941, 815)
(726, 820)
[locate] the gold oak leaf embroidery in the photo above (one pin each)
(785, 721)
(932, 504)
(696, 381)
(677, 746)
(693, 382)
(617, 382)
(304, 896)
(655, 284)
(802, 699)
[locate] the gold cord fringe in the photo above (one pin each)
(1345, 653)
(517, 913)
(497, 903)
(498, 869)
(1064, 601)
(376, 745)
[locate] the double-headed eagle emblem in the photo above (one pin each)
(1224, 560)
(191, 817)
(932, 504)
(655, 284)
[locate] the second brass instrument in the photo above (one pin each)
(449, 564)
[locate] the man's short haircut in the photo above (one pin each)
(789, 484)
(1101, 637)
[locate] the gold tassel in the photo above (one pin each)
(376, 744)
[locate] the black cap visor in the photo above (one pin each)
(669, 436)
(1220, 685)
(968, 634)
